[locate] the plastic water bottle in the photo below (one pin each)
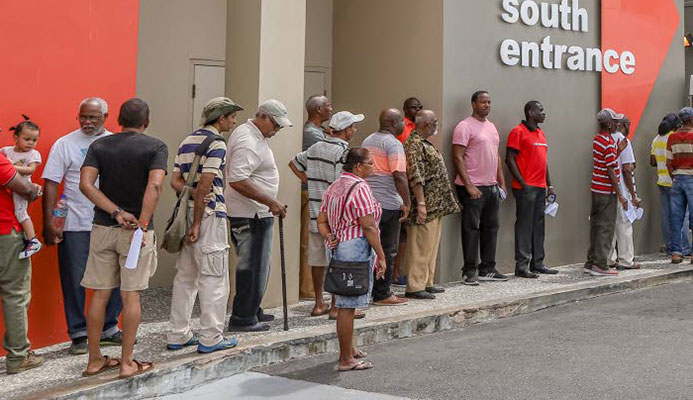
(60, 213)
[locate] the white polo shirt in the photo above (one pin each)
(249, 157)
(64, 163)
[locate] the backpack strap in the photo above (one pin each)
(199, 152)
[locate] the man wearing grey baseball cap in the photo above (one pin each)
(251, 201)
(605, 193)
(319, 166)
(680, 167)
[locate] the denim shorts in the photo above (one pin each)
(354, 250)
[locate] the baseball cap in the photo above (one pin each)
(276, 110)
(686, 113)
(218, 107)
(344, 119)
(608, 114)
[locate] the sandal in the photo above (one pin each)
(323, 312)
(359, 366)
(142, 367)
(106, 366)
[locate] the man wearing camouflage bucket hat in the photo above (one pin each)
(202, 265)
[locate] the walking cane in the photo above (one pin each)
(283, 266)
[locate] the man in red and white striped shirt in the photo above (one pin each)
(605, 192)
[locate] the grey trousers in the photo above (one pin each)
(602, 228)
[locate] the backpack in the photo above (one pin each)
(177, 225)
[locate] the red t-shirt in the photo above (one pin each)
(605, 155)
(409, 126)
(7, 219)
(679, 154)
(531, 158)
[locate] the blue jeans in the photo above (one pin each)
(73, 252)
(665, 203)
(681, 200)
(252, 239)
(354, 250)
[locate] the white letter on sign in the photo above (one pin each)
(510, 52)
(511, 15)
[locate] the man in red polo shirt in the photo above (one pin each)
(15, 274)
(526, 159)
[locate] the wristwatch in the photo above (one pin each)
(115, 212)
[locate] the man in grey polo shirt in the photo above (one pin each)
(251, 201)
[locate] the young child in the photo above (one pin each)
(26, 159)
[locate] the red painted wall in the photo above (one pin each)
(54, 54)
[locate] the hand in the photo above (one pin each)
(332, 241)
(208, 198)
(193, 233)
(405, 213)
(277, 209)
(550, 192)
(35, 192)
(636, 201)
(473, 191)
(39, 189)
(51, 235)
(623, 201)
(421, 214)
(380, 268)
(127, 220)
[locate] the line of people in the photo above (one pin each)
(112, 184)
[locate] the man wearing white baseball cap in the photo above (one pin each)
(319, 166)
(251, 201)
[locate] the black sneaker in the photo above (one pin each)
(526, 274)
(78, 346)
(493, 276)
(249, 328)
(470, 280)
(115, 339)
(420, 295)
(262, 317)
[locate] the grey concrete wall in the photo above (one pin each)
(688, 28)
(473, 32)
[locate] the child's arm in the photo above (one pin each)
(27, 170)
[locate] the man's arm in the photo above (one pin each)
(511, 162)
(50, 196)
(611, 172)
(300, 174)
(421, 211)
(548, 183)
(87, 180)
(152, 193)
(653, 161)
(204, 185)
(247, 189)
(402, 186)
(24, 188)
(28, 169)
(499, 175)
(177, 181)
(628, 170)
(458, 152)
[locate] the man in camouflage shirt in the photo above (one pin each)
(432, 194)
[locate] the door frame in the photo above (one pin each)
(327, 71)
(191, 81)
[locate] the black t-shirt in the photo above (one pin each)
(124, 161)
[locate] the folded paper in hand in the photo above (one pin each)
(135, 246)
(551, 209)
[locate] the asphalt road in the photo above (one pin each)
(636, 345)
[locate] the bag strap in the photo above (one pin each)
(346, 198)
(199, 152)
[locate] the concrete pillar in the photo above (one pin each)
(265, 59)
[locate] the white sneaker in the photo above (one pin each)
(32, 247)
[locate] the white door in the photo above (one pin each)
(208, 83)
(315, 82)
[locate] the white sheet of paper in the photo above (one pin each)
(502, 194)
(639, 212)
(134, 253)
(630, 213)
(551, 209)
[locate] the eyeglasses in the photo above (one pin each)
(90, 118)
(368, 163)
(276, 125)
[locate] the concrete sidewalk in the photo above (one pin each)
(460, 306)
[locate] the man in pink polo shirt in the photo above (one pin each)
(480, 184)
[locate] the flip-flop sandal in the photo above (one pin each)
(106, 366)
(142, 367)
(361, 354)
(359, 366)
(323, 312)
